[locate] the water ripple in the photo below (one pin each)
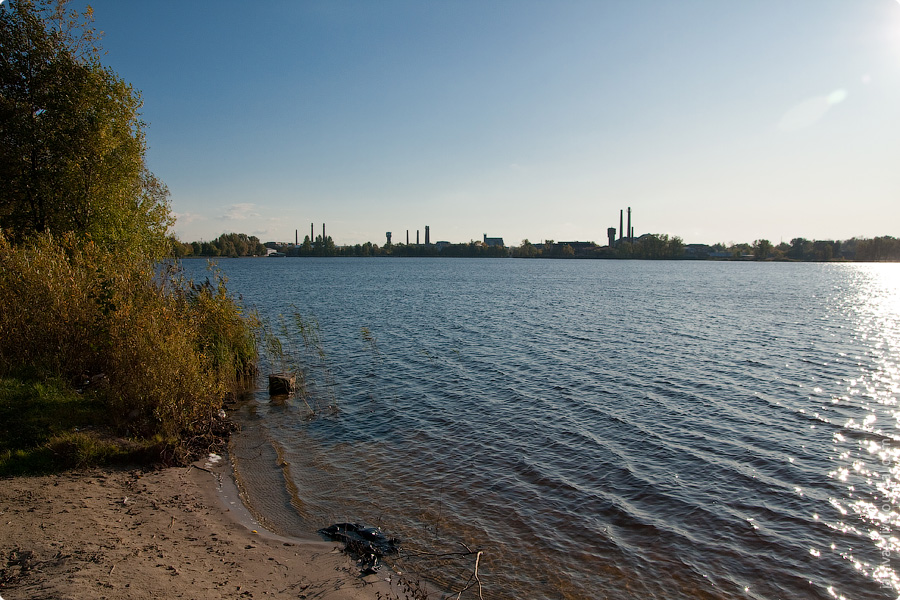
(599, 429)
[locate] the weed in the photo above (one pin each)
(164, 350)
(294, 345)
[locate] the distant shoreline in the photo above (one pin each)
(680, 259)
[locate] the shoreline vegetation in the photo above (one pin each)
(648, 246)
(113, 364)
(108, 353)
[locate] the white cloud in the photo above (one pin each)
(241, 212)
(188, 217)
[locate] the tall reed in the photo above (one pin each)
(160, 350)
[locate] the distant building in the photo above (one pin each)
(493, 241)
(697, 250)
(611, 234)
(441, 245)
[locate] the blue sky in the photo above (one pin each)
(714, 120)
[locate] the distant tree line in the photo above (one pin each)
(885, 248)
(232, 245)
(648, 246)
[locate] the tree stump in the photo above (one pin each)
(282, 383)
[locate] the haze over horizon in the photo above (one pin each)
(716, 122)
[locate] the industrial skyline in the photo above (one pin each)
(532, 118)
(388, 235)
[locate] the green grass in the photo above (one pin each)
(48, 427)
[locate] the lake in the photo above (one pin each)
(598, 429)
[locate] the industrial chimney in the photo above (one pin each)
(630, 232)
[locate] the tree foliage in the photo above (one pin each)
(72, 144)
(232, 245)
(885, 248)
(762, 249)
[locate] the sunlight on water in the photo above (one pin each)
(867, 450)
(599, 429)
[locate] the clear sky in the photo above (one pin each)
(715, 120)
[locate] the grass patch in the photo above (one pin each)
(46, 427)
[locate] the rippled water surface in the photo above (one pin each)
(599, 429)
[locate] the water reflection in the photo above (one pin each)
(639, 430)
(867, 449)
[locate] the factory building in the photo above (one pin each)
(493, 241)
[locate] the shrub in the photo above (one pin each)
(160, 351)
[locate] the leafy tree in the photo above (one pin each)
(739, 250)
(72, 144)
(801, 249)
(180, 249)
(780, 251)
(526, 250)
(877, 249)
(675, 247)
(230, 244)
(762, 249)
(824, 249)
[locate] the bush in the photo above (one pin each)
(158, 350)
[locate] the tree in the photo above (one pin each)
(675, 247)
(71, 140)
(526, 250)
(879, 248)
(762, 249)
(801, 249)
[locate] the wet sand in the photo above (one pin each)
(119, 534)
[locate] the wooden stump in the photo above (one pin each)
(282, 383)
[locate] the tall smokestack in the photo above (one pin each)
(417, 237)
(621, 225)
(407, 237)
(323, 232)
(427, 235)
(296, 237)
(629, 225)
(312, 236)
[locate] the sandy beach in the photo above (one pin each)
(118, 534)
